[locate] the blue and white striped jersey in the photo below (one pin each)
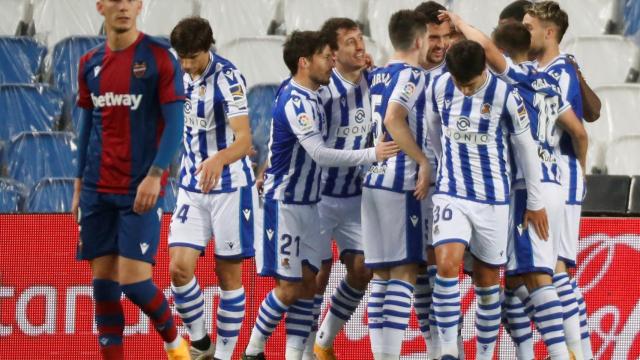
(570, 170)
(475, 149)
(347, 108)
(541, 95)
(211, 100)
(428, 145)
(403, 84)
(292, 176)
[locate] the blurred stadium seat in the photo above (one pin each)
(12, 196)
(483, 15)
(631, 10)
(37, 155)
(622, 62)
(51, 195)
(158, 17)
(232, 19)
(65, 59)
(296, 12)
(622, 156)
(598, 139)
(170, 196)
(14, 17)
(606, 194)
(28, 107)
(379, 12)
(54, 20)
(260, 100)
(634, 196)
(21, 59)
(620, 109)
(377, 52)
(589, 17)
(259, 59)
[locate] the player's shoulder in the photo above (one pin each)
(561, 66)
(93, 54)
(409, 72)
(157, 41)
(223, 64)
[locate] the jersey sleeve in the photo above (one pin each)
(84, 94)
(408, 88)
(170, 86)
(234, 91)
(568, 84)
(300, 117)
(513, 74)
(517, 113)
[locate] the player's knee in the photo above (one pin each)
(180, 273)
(289, 292)
(229, 280)
(448, 268)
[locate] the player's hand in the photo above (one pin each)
(423, 182)
(147, 194)
(75, 201)
(252, 152)
(368, 60)
(453, 18)
(210, 171)
(538, 219)
(385, 149)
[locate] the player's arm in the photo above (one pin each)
(495, 58)
(591, 104)
(84, 131)
(525, 152)
(568, 121)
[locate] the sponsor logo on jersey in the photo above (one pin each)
(468, 137)
(110, 99)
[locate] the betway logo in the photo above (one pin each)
(111, 99)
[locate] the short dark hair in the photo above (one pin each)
(404, 27)
(191, 35)
(431, 10)
(515, 10)
(302, 44)
(465, 60)
(512, 37)
(550, 11)
(331, 26)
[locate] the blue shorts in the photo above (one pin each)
(108, 226)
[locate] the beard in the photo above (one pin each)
(320, 80)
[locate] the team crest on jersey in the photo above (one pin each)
(485, 110)
(202, 90)
(285, 263)
(139, 69)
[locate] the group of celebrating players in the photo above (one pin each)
(463, 149)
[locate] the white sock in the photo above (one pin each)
(374, 314)
(548, 318)
(587, 352)
(308, 350)
(446, 305)
(292, 353)
(344, 302)
(519, 326)
(298, 324)
(571, 313)
(434, 350)
(396, 311)
(269, 315)
(488, 316)
(229, 318)
(189, 303)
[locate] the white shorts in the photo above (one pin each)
(340, 221)
(232, 218)
(528, 253)
(568, 250)
(481, 227)
(289, 240)
(393, 228)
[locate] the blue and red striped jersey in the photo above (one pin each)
(125, 89)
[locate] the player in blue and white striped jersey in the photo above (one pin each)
(547, 23)
(216, 198)
(288, 250)
(439, 37)
(348, 126)
(482, 120)
(394, 245)
(544, 104)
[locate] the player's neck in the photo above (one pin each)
(428, 65)
(550, 53)
(520, 58)
(306, 82)
(353, 76)
(410, 57)
(121, 40)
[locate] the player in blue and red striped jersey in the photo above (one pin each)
(131, 93)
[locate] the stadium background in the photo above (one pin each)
(45, 307)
